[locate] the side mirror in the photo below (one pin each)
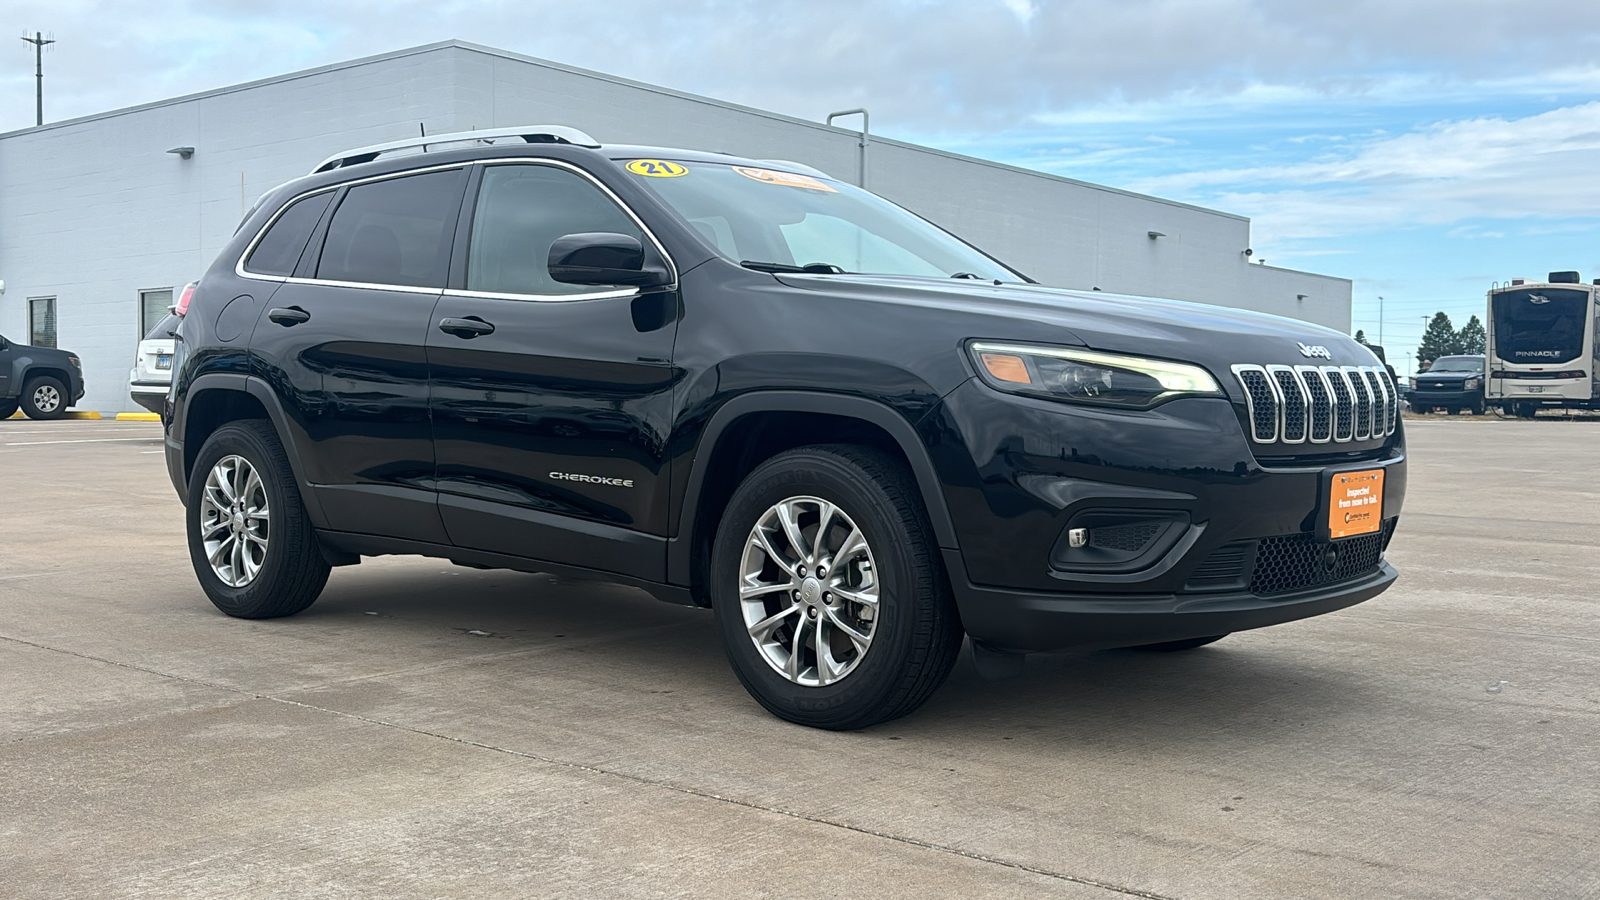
(604, 258)
(4, 344)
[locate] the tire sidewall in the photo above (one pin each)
(877, 676)
(252, 599)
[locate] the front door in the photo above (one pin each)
(551, 402)
(342, 345)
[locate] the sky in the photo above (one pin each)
(1422, 148)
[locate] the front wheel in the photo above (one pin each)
(251, 544)
(44, 397)
(832, 603)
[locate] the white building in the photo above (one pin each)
(100, 217)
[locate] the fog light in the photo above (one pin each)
(1078, 537)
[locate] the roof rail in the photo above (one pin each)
(533, 134)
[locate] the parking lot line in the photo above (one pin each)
(78, 441)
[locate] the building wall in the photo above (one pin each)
(94, 210)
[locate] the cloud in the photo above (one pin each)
(919, 64)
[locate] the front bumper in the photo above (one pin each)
(1445, 398)
(1241, 550)
(1026, 621)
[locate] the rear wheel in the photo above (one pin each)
(44, 397)
(1526, 410)
(251, 544)
(833, 606)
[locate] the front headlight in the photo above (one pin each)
(1088, 376)
(1473, 384)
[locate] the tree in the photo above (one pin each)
(1472, 337)
(1361, 338)
(1440, 339)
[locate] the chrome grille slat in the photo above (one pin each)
(1294, 412)
(1318, 404)
(1363, 402)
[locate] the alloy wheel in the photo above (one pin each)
(808, 591)
(46, 398)
(235, 521)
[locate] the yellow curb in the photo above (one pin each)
(68, 415)
(138, 417)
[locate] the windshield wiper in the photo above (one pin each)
(807, 269)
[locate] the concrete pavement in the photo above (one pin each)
(426, 730)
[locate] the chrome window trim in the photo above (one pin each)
(1238, 370)
(543, 298)
(1333, 412)
(240, 271)
(1283, 404)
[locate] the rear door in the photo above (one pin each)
(550, 428)
(342, 344)
(5, 367)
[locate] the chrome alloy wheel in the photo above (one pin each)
(235, 523)
(46, 398)
(808, 589)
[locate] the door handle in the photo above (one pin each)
(294, 315)
(467, 328)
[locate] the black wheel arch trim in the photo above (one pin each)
(263, 393)
(680, 548)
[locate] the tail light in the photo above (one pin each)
(182, 307)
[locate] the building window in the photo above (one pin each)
(42, 321)
(153, 307)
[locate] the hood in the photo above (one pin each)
(1215, 336)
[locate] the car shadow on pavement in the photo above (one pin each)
(1238, 685)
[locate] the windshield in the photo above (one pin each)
(1457, 364)
(1539, 325)
(782, 222)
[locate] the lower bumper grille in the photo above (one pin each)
(1290, 562)
(1298, 561)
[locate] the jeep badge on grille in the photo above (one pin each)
(1314, 351)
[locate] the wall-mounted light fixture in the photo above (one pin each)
(1300, 296)
(183, 152)
(1156, 234)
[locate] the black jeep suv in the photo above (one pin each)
(42, 381)
(741, 384)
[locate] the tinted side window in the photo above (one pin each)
(279, 250)
(521, 211)
(393, 232)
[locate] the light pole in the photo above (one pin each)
(1380, 320)
(38, 41)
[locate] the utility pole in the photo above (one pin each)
(38, 41)
(1380, 320)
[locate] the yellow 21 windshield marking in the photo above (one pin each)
(657, 168)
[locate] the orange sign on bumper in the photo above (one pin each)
(1355, 503)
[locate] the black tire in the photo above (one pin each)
(1454, 411)
(8, 408)
(917, 630)
(1176, 646)
(1421, 410)
(292, 571)
(1526, 410)
(1480, 408)
(44, 397)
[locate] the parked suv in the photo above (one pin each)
(151, 375)
(1453, 384)
(42, 381)
(742, 384)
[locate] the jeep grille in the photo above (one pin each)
(1319, 404)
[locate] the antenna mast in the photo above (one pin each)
(38, 41)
